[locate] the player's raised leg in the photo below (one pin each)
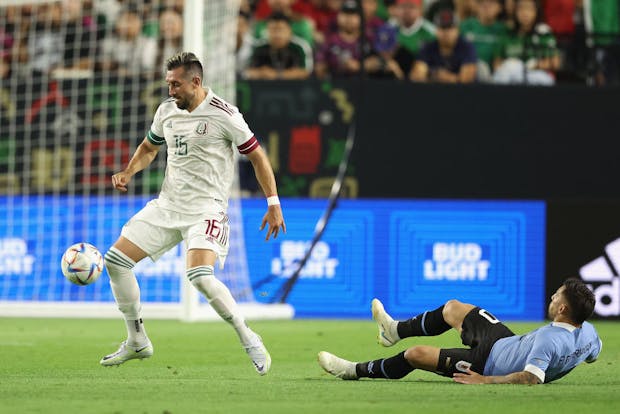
(454, 313)
(120, 260)
(388, 333)
(200, 273)
(429, 323)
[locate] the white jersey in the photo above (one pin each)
(200, 143)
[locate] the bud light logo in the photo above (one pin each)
(14, 257)
(457, 261)
(320, 264)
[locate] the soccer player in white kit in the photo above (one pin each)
(200, 130)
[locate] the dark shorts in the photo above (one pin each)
(480, 332)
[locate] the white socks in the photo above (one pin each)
(127, 294)
(221, 300)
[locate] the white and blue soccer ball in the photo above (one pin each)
(82, 264)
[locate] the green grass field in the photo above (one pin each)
(51, 366)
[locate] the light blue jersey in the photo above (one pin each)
(549, 352)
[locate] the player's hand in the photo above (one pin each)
(120, 181)
(275, 220)
(469, 377)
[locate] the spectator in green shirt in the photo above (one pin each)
(602, 21)
(413, 32)
(302, 27)
(528, 54)
(485, 31)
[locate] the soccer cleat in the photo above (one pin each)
(338, 367)
(388, 335)
(126, 352)
(259, 355)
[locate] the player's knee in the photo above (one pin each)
(415, 354)
(108, 260)
(450, 308)
(117, 266)
(208, 285)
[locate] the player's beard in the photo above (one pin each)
(182, 103)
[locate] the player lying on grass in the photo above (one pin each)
(495, 354)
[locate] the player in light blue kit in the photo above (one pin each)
(495, 354)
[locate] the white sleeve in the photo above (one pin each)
(240, 134)
(533, 369)
(540, 356)
(156, 133)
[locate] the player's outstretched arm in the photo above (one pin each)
(264, 174)
(471, 377)
(142, 158)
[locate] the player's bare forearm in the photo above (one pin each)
(263, 171)
(522, 377)
(144, 155)
(471, 377)
(264, 174)
(142, 158)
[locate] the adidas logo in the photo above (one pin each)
(604, 272)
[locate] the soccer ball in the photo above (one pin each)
(82, 264)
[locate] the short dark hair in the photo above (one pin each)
(190, 63)
(580, 300)
(279, 17)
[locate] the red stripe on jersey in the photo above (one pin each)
(221, 105)
(228, 111)
(249, 146)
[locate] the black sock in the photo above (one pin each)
(395, 367)
(429, 323)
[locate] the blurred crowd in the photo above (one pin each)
(539, 42)
(78, 37)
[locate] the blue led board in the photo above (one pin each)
(35, 231)
(413, 255)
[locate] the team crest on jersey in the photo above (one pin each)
(202, 129)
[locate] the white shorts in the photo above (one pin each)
(156, 230)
